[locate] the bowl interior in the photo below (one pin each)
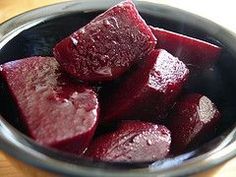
(218, 83)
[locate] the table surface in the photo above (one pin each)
(10, 8)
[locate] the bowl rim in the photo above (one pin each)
(9, 136)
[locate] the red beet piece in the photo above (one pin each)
(133, 141)
(107, 46)
(57, 112)
(191, 51)
(149, 91)
(194, 118)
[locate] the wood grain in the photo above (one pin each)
(6, 168)
(10, 9)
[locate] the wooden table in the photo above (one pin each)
(10, 8)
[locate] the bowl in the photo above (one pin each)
(36, 32)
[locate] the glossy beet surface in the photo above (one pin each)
(40, 33)
(149, 91)
(132, 141)
(55, 110)
(193, 120)
(107, 46)
(192, 51)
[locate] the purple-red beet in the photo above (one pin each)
(132, 141)
(107, 46)
(56, 111)
(149, 91)
(193, 119)
(191, 51)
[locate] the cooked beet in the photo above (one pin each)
(192, 121)
(193, 52)
(56, 111)
(149, 91)
(107, 46)
(132, 141)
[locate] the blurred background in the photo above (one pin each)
(222, 12)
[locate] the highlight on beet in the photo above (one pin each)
(56, 111)
(192, 121)
(193, 52)
(108, 46)
(132, 141)
(149, 91)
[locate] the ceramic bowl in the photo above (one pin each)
(37, 31)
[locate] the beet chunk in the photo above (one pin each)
(133, 141)
(193, 52)
(149, 91)
(56, 111)
(107, 46)
(194, 118)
